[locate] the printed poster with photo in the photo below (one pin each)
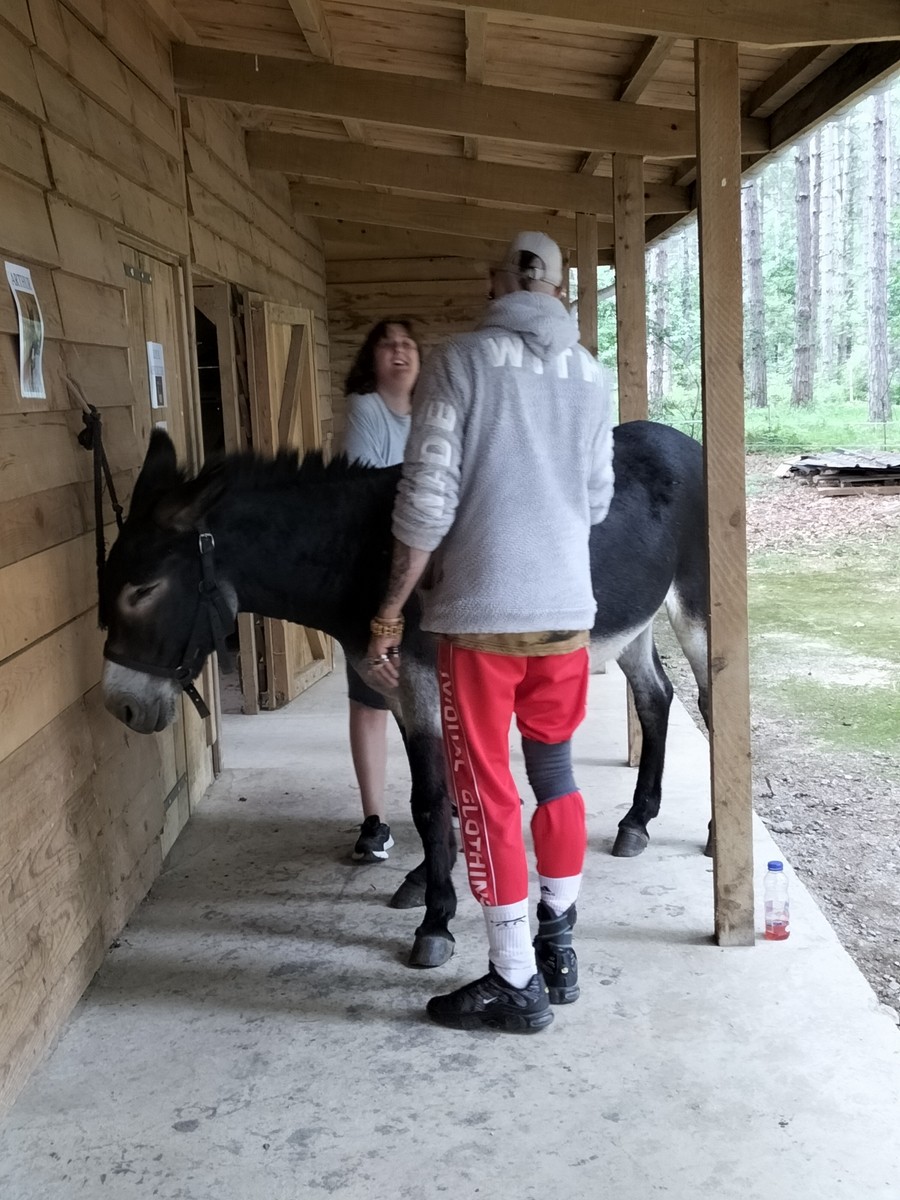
(156, 367)
(31, 332)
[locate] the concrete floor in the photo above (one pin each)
(256, 1036)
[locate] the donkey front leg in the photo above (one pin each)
(652, 699)
(430, 801)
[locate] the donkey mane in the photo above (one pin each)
(255, 472)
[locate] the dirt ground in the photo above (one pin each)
(834, 811)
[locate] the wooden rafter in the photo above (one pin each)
(648, 61)
(763, 23)
(793, 73)
(476, 41)
(435, 216)
(500, 183)
(854, 73)
(355, 239)
(350, 240)
(173, 22)
(315, 29)
(464, 109)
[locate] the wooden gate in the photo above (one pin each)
(285, 413)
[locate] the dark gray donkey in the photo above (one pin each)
(311, 543)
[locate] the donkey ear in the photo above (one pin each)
(183, 510)
(158, 474)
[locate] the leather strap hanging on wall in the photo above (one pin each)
(91, 437)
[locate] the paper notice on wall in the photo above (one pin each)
(31, 332)
(157, 368)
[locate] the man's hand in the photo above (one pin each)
(382, 662)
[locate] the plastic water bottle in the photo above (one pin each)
(778, 908)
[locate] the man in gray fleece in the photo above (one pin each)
(508, 464)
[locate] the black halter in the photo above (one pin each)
(212, 611)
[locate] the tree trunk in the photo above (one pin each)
(845, 284)
(815, 246)
(754, 301)
(879, 396)
(659, 350)
(827, 224)
(802, 381)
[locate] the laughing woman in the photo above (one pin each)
(379, 389)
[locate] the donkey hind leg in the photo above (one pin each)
(652, 698)
(411, 892)
(686, 610)
(430, 800)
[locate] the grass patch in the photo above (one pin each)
(825, 645)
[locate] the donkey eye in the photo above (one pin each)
(136, 595)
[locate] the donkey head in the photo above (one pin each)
(158, 597)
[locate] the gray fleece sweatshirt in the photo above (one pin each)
(508, 464)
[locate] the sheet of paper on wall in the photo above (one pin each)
(157, 369)
(31, 332)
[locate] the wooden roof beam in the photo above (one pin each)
(464, 109)
(645, 65)
(476, 41)
(854, 73)
(361, 240)
(319, 158)
(803, 65)
(433, 216)
(315, 29)
(762, 23)
(649, 59)
(349, 240)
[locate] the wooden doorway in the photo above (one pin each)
(155, 296)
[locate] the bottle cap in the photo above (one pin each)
(775, 865)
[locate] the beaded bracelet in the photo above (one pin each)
(386, 626)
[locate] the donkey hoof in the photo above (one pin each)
(410, 894)
(431, 950)
(630, 842)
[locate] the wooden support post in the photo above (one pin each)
(631, 286)
(721, 317)
(631, 327)
(586, 255)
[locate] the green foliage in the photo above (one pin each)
(838, 415)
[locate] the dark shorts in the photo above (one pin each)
(359, 690)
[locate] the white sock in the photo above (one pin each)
(509, 939)
(560, 894)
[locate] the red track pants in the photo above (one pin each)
(479, 694)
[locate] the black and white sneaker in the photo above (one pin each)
(492, 1003)
(373, 842)
(556, 959)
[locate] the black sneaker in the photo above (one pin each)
(373, 842)
(492, 1003)
(556, 959)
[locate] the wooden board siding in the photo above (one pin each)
(442, 296)
(242, 227)
(96, 168)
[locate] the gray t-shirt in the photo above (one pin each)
(374, 435)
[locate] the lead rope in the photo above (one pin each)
(91, 437)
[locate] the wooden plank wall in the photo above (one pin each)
(243, 229)
(442, 296)
(92, 151)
